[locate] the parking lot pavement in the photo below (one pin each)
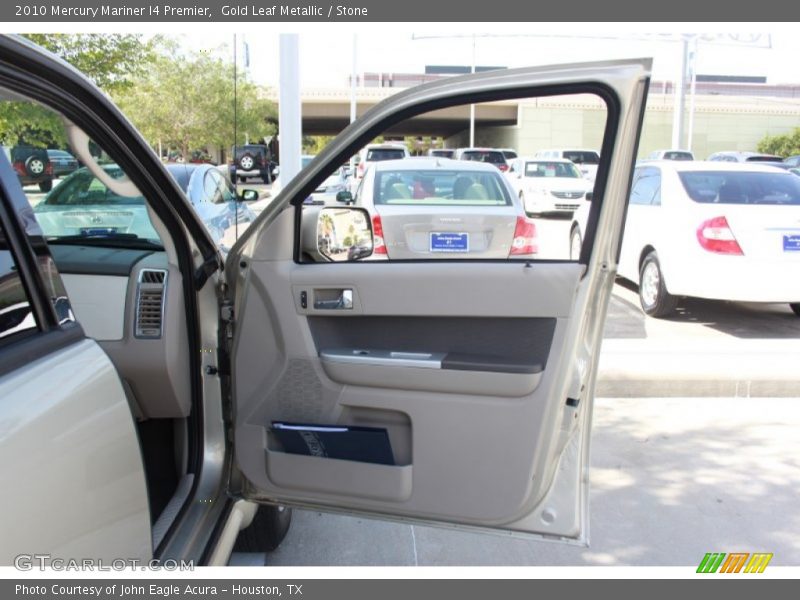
(35, 195)
(672, 479)
(708, 348)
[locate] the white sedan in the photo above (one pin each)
(440, 208)
(721, 231)
(553, 185)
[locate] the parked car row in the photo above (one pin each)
(718, 230)
(82, 207)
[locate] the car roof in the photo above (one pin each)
(706, 165)
(398, 145)
(417, 163)
(182, 172)
(480, 149)
(747, 153)
(543, 159)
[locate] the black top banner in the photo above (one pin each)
(353, 11)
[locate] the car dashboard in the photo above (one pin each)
(131, 302)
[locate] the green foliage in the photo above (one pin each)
(30, 124)
(782, 145)
(182, 100)
(114, 61)
(187, 101)
(419, 145)
(314, 144)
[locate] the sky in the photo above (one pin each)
(326, 56)
(326, 49)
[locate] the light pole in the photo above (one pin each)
(472, 106)
(472, 70)
(353, 77)
(289, 117)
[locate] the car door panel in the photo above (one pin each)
(481, 372)
(73, 471)
(69, 423)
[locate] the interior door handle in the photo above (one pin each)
(344, 300)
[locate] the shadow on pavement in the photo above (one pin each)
(738, 319)
(625, 320)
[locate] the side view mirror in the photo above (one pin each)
(337, 234)
(345, 197)
(248, 196)
(588, 196)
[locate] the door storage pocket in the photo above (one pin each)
(339, 477)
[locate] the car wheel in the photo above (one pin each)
(35, 166)
(46, 186)
(656, 301)
(575, 243)
(246, 162)
(795, 306)
(266, 532)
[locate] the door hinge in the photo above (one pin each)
(223, 362)
(226, 312)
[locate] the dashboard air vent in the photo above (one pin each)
(150, 296)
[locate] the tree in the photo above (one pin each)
(114, 61)
(314, 144)
(782, 145)
(186, 100)
(30, 124)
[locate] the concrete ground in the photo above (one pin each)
(708, 348)
(672, 479)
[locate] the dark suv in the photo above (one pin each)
(252, 160)
(32, 166)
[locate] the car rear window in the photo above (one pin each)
(551, 169)
(443, 153)
(440, 188)
(509, 154)
(741, 187)
(581, 157)
(488, 156)
(379, 154)
(763, 159)
(678, 156)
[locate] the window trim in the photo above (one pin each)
(21, 349)
(612, 124)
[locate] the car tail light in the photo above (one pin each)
(503, 168)
(19, 167)
(524, 237)
(360, 169)
(378, 245)
(715, 235)
(48, 169)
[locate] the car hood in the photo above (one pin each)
(58, 220)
